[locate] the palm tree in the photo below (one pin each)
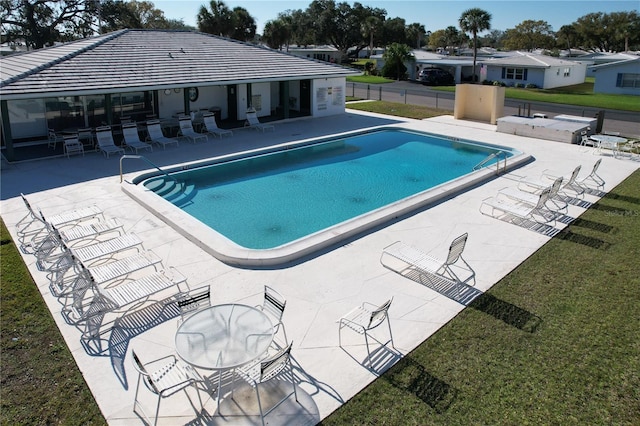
(475, 20)
(395, 55)
(369, 27)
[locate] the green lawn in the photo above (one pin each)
(579, 94)
(369, 79)
(40, 382)
(398, 109)
(556, 342)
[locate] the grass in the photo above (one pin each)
(398, 109)
(579, 95)
(40, 381)
(557, 341)
(369, 79)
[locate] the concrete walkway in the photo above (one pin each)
(318, 291)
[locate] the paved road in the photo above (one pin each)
(625, 122)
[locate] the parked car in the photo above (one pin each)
(435, 77)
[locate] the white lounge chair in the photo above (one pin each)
(155, 135)
(186, 131)
(430, 265)
(510, 208)
(211, 127)
(99, 251)
(592, 178)
(105, 142)
(569, 184)
(365, 318)
(559, 203)
(252, 122)
(132, 139)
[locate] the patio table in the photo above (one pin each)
(607, 141)
(223, 337)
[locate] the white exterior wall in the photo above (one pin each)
(261, 96)
(606, 78)
(328, 96)
(554, 76)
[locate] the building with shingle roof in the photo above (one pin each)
(542, 71)
(137, 74)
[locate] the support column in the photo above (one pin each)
(6, 131)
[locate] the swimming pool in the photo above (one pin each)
(276, 206)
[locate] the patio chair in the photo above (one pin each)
(132, 139)
(252, 122)
(593, 177)
(72, 146)
(365, 318)
(510, 208)
(156, 136)
(88, 233)
(264, 370)
(105, 142)
(273, 305)
(192, 301)
(630, 148)
(211, 127)
(53, 139)
(430, 265)
(164, 377)
(58, 220)
(186, 130)
(99, 251)
(559, 203)
(86, 136)
(547, 178)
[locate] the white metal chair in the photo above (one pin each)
(54, 138)
(273, 305)
(559, 203)
(72, 146)
(593, 177)
(105, 142)
(253, 122)
(261, 371)
(155, 135)
(511, 208)
(86, 135)
(132, 139)
(365, 318)
(568, 184)
(192, 301)
(425, 263)
(211, 127)
(164, 377)
(186, 130)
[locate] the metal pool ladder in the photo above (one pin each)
(491, 157)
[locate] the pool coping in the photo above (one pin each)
(287, 254)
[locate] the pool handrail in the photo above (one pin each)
(142, 157)
(491, 157)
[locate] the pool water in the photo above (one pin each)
(271, 200)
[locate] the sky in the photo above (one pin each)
(433, 14)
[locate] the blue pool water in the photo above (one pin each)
(270, 200)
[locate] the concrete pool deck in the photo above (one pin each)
(318, 291)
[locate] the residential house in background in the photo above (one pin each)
(619, 78)
(545, 72)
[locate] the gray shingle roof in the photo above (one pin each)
(151, 59)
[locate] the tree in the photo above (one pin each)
(40, 23)
(567, 37)
(452, 38)
(276, 33)
(394, 30)
(530, 35)
(493, 39)
(475, 20)
(244, 26)
(416, 32)
(370, 27)
(603, 32)
(218, 20)
(395, 56)
(118, 14)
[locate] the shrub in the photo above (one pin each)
(487, 82)
(519, 85)
(531, 86)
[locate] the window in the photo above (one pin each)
(567, 72)
(628, 80)
(514, 73)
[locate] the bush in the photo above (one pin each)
(500, 83)
(488, 82)
(531, 86)
(519, 85)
